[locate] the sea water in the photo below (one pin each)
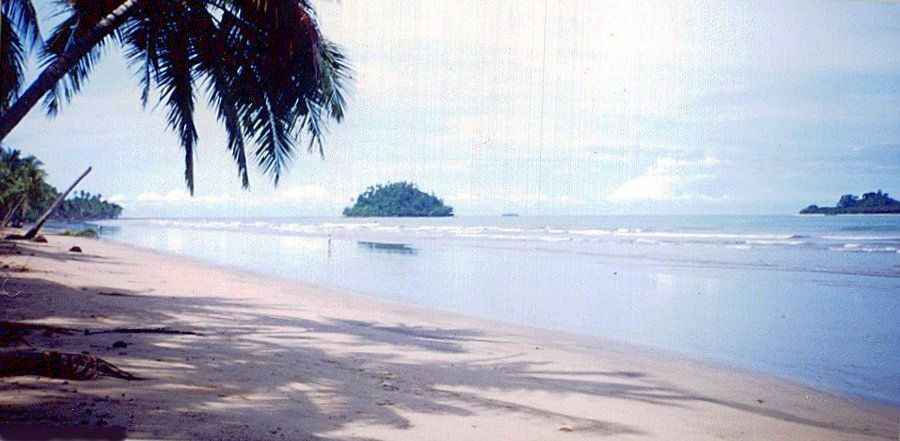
(810, 298)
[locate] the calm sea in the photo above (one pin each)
(815, 299)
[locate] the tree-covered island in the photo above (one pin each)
(869, 203)
(398, 199)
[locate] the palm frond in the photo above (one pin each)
(175, 77)
(12, 60)
(80, 17)
(22, 17)
(264, 66)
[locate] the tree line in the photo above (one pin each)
(25, 194)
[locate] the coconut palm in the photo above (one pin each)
(22, 184)
(263, 65)
(19, 33)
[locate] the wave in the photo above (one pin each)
(547, 234)
(879, 238)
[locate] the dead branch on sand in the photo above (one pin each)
(60, 365)
(141, 331)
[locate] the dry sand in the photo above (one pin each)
(282, 360)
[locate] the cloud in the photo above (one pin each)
(669, 179)
(287, 196)
(170, 197)
(306, 193)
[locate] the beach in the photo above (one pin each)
(270, 358)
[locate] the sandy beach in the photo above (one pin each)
(275, 359)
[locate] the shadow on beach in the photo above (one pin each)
(258, 375)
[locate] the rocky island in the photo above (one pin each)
(398, 199)
(869, 203)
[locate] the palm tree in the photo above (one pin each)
(21, 184)
(262, 64)
(19, 33)
(10, 169)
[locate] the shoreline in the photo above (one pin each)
(356, 366)
(586, 340)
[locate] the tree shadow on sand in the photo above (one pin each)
(267, 375)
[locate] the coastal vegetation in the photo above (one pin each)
(869, 203)
(264, 66)
(25, 194)
(398, 199)
(89, 233)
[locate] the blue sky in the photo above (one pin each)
(569, 107)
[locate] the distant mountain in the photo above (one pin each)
(398, 199)
(869, 203)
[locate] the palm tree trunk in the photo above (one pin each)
(40, 223)
(53, 73)
(12, 212)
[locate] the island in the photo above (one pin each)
(869, 203)
(397, 199)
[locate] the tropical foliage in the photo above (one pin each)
(25, 195)
(869, 203)
(19, 34)
(262, 65)
(22, 186)
(86, 206)
(398, 199)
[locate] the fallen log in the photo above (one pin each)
(140, 331)
(52, 364)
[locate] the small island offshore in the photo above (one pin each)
(869, 203)
(398, 199)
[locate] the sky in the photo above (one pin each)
(539, 108)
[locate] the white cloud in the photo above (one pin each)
(306, 193)
(669, 179)
(287, 196)
(170, 197)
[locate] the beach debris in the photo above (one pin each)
(75, 249)
(389, 386)
(115, 294)
(13, 333)
(39, 239)
(120, 345)
(140, 331)
(565, 429)
(62, 365)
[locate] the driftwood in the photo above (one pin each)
(40, 223)
(140, 331)
(60, 365)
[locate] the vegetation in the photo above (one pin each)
(22, 186)
(86, 206)
(869, 203)
(25, 195)
(87, 232)
(398, 199)
(263, 65)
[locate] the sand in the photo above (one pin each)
(283, 360)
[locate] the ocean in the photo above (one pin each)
(814, 299)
